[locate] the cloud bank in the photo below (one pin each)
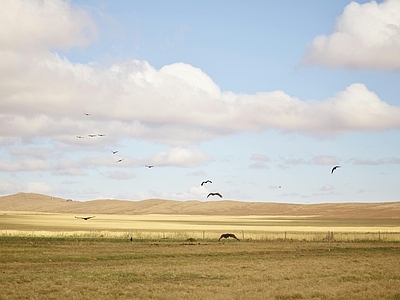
(45, 96)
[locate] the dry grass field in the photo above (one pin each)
(70, 268)
(327, 251)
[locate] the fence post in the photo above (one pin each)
(285, 235)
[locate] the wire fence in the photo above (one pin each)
(310, 236)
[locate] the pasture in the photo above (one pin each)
(100, 268)
(56, 256)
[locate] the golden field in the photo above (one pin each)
(42, 215)
(286, 251)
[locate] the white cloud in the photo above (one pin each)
(327, 187)
(324, 160)
(9, 187)
(58, 24)
(44, 96)
(179, 156)
(365, 36)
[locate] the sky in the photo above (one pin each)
(263, 98)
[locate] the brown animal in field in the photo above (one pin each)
(228, 235)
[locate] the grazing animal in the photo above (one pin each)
(214, 194)
(334, 168)
(228, 235)
(114, 152)
(149, 166)
(207, 181)
(85, 218)
(119, 160)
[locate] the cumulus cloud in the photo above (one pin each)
(365, 36)
(44, 96)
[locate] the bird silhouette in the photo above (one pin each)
(214, 194)
(87, 114)
(80, 137)
(84, 218)
(119, 160)
(149, 166)
(207, 181)
(114, 152)
(334, 168)
(92, 135)
(228, 235)
(100, 134)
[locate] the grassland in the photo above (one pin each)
(347, 251)
(72, 268)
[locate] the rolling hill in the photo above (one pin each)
(43, 203)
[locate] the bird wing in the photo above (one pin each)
(218, 194)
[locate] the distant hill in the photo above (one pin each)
(44, 203)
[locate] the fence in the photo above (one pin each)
(320, 236)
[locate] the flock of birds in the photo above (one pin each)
(151, 166)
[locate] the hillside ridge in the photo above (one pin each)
(31, 202)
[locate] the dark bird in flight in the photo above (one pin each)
(114, 152)
(214, 194)
(334, 168)
(100, 134)
(92, 135)
(80, 137)
(207, 181)
(119, 160)
(84, 218)
(149, 166)
(87, 114)
(228, 235)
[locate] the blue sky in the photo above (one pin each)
(261, 98)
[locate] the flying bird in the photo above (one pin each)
(87, 114)
(100, 134)
(119, 160)
(80, 137)
(114, 152)
(334, 168)
(92, 135)
(149, 166)
(214, 194)
(228, 235)
(207, 181)
(84, 218)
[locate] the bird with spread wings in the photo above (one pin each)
(214, 194)
(84, 218)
